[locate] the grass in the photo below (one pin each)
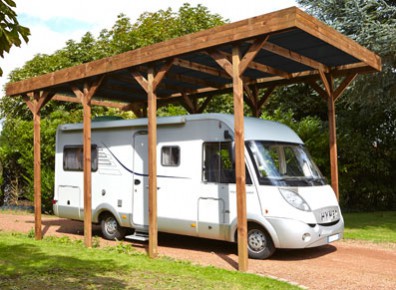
(377, 227)
(60, 263)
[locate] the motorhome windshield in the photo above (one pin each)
(284, 164)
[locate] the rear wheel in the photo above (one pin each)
(260, 245)
(111, 230)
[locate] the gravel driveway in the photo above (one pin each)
(341, 265)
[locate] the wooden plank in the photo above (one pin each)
(87, 173)
(262, 25)
(333, 145)
(331, 36)
(342, 87)
(201, 68)
(141, 80)
(35, 103)
(152, 158)
(271, 70)
(240, 162)
(266, 96)
(29, 103)
(117, 105)
(244, 29)
(326, 83)
(222, 60)
(159, 76)
(85, 97)
(260, 67)
(295, 56)
(318, 89)
(37, 169)
(251, 53)
(193, 80)
(192, 108)
(329, 84)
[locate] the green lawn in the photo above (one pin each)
(58, 263)
(378, 227)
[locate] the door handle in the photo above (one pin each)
(157, 187)
(137, 181)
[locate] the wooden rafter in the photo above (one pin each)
(162, 72)
(222, 60)
(345, 83)
(294, 56)
(263, 68)
(193, 80)
(251, 54)
(201, 68)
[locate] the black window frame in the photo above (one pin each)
(172, 148)
(78, 152)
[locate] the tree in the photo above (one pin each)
(366, 113)
(16, 151)
(11, 31)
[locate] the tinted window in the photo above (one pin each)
(73, 158)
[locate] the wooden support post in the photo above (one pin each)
(35, 106)
(152, 157)
(37, 174)
(150, 85)
(333, 145)
(85, 98)
(329, 89)
(240, 160)
(87, 173)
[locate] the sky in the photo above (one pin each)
(52, 23)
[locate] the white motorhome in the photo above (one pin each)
(289, 204)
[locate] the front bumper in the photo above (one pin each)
(294, 234)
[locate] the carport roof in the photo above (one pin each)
(286, 46)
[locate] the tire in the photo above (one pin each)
(111, 230)
(260, 245)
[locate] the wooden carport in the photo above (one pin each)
(248, 58)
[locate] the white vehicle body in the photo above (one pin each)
(194, 199)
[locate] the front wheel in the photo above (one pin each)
(260, 245)
(111, 230)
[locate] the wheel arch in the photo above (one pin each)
(103, 209)
(259, 220)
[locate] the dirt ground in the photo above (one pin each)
(341, 265)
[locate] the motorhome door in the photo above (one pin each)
(140, 179)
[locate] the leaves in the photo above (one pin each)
(16, 150)
(366, 113)
(11, 31)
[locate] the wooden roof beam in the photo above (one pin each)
(294, 56)
(201, 68)
(193, 80)
(116, 105)
(251, 54)
(255, 65)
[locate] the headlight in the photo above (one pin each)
(294, 199)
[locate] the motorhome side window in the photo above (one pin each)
(73, 158)
(218, 163)
(170, 156)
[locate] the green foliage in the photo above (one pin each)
(16, 148)
(11, 31)
(366, 113)
(16, 156)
